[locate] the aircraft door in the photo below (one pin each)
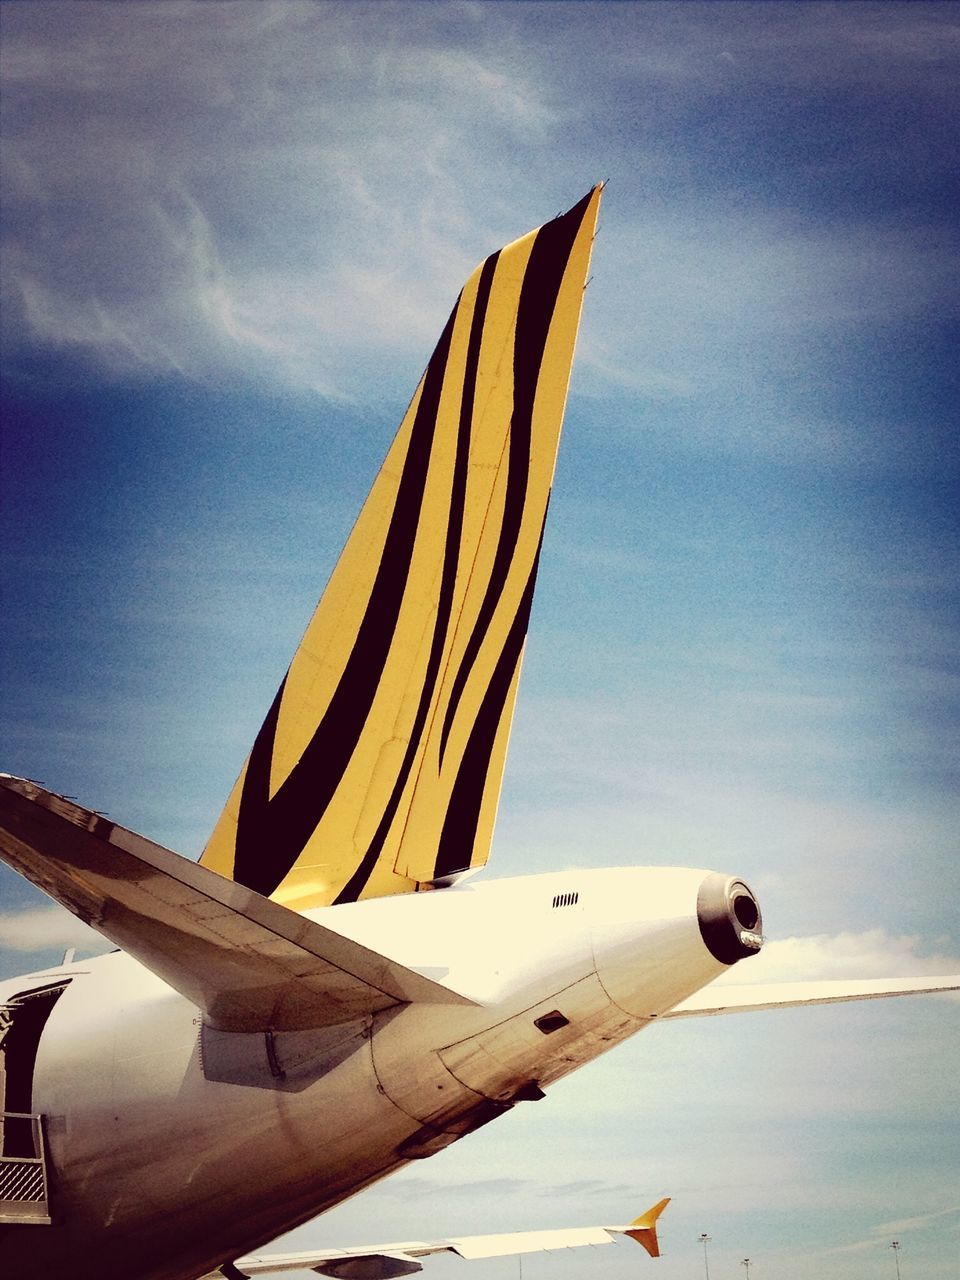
(23, 1196)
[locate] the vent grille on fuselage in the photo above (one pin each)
(565, 899)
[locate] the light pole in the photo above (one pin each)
(705, 1240)
(895, 1246)
(745, 1262)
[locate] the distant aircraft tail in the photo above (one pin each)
(378, 767)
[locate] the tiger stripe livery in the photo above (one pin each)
(378, 767)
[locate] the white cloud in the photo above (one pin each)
(344, 193)
(900, 1226)
(188, 228)
(46, 928)
(741, 304)
(916, 1223)
(872, 953)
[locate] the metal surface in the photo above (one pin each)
(155, 1120)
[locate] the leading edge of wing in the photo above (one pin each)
(402, 1258)
(250, 964)
(711, 1002)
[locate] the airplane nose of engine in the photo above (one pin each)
(729, 917)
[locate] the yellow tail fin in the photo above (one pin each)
(378, 767)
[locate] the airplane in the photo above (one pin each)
(330, 993)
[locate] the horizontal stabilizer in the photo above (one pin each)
(786, 995)
(250, 964)
(391, 1260)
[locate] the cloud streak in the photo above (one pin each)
(871, 953)
(900, 1226)
(45, 928)
(351, 190)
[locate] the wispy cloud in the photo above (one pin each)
(872, 953)
(45, 928)
(417, 1188)
(352, 189)
(897, 1227)
(364, 152)
(918, 1222)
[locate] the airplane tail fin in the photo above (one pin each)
(644, 1228)
(378, 767)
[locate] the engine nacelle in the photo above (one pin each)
(662, 933)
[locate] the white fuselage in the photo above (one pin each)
(174, 1147)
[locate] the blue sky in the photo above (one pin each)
(231, 235)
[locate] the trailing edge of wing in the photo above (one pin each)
(785, 995)
(250, 964)
(378, 767)
(400, 1259)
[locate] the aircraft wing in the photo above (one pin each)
(785, 995)
(389, 1260)
(378, 767)
(250, 964)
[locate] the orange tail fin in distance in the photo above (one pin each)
(644, 1228)
(378, 768)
